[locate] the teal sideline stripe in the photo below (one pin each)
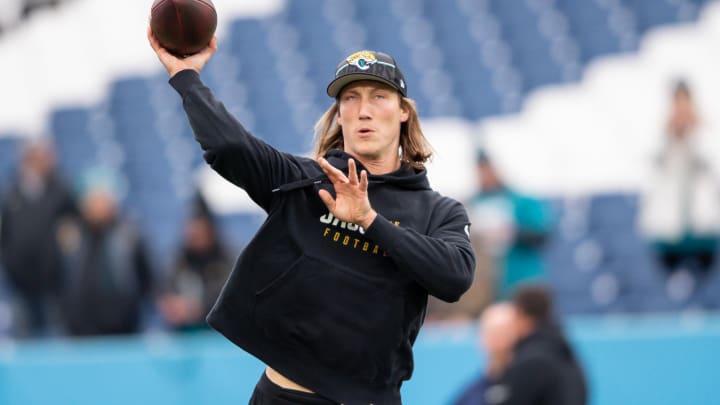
(675, 354)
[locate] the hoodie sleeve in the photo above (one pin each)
(230, 150)
(443, 261)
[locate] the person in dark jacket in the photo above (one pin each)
(198, 273)
(544, 369)
(109, 276)
(33, 210)
(497, 338)
(331, 292)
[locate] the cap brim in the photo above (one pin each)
(337, 85)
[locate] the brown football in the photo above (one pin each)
(183, 27)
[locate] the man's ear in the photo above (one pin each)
(405, 112)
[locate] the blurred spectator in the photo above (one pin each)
(109, 272)
(680, 210)
(497, 339)
(32, 211)
(544, 369)
(510, 227)
(199, 272)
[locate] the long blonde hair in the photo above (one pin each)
(416, 150)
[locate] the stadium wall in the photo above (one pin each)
(651, 360)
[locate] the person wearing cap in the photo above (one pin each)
(331, 292)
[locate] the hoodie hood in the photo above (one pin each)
(405, 177)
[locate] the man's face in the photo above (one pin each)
(98, 207)
(199, 237)
(683, 116)
(39, 159)
(498, 329)
(489, 179)
(370, 115)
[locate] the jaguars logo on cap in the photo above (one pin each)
(362, 60)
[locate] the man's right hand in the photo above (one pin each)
(173, 64)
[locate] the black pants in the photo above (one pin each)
(268, 393)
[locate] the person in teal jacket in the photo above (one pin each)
(512, 227)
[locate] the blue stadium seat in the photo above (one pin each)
(650, 13)
(613, 211)
(709, 290)
(77, 150)
(572, 265)
(676, 292)
(262, 80)
(473, 79)
(531, 50)
(604, 293)
(315, 43)
(160, 216)
(589, 25)
(248, 37)
(128, 90)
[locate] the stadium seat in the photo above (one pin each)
(589, 24)
(531, 49)
(650, 13)
(77, 150)
(473, 84)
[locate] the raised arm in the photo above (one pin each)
(230, 150)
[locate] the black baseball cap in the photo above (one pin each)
(367, 65)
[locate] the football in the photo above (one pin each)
(183, 27)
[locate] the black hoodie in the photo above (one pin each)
(544, 371)
(334, 307)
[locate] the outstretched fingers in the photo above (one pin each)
(352, 172)
(363, 181)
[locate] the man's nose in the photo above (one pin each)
(365, 109)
